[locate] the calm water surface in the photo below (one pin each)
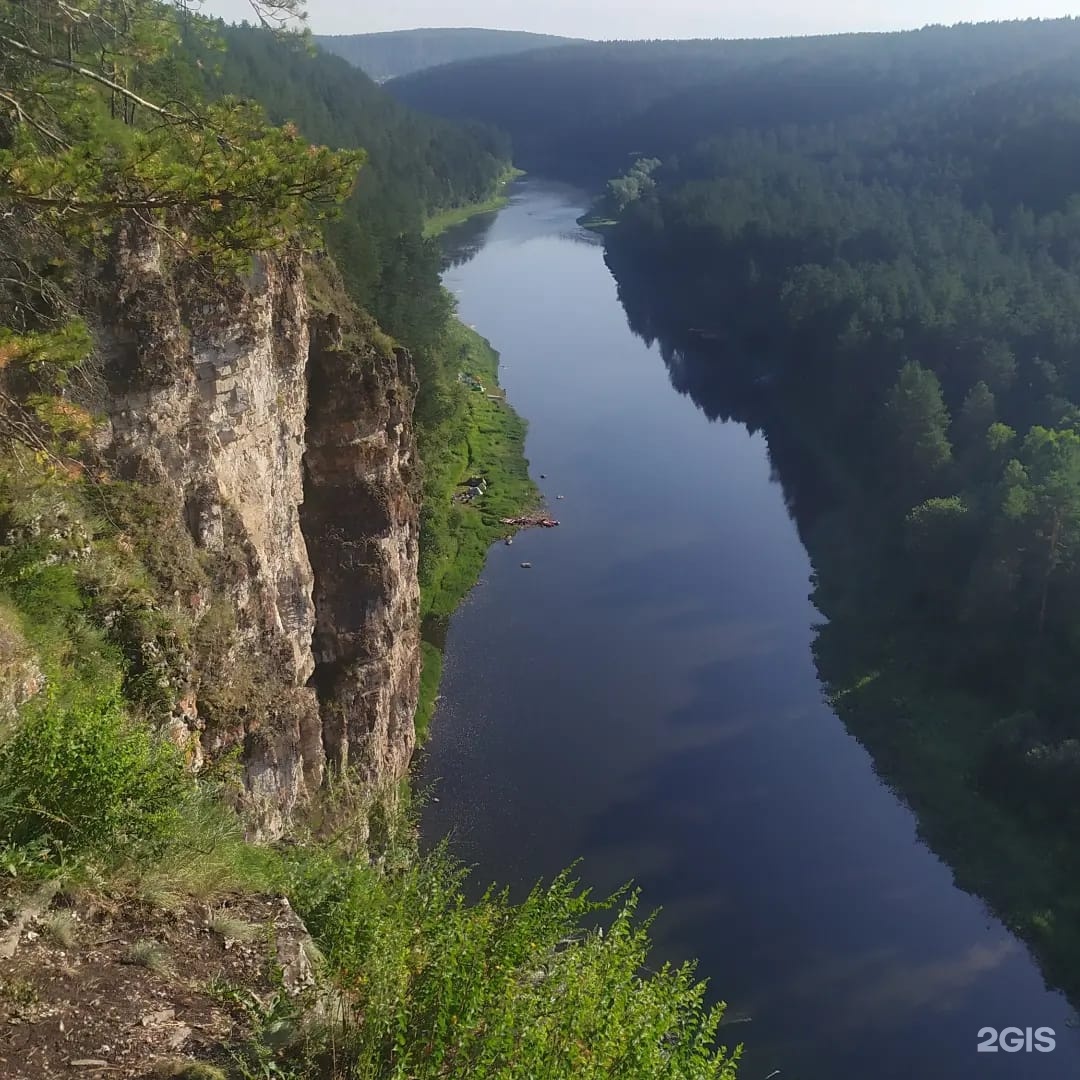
(645, 698)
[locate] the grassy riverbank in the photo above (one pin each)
(597, 220)
(480, 436)
(439, 223)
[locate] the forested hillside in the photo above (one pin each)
(415, 166)
(400, 52)
(580, 112)
(878, 239)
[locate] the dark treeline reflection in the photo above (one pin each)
(726, 384)
(469, 237)
(938, 725)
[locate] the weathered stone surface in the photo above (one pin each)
(20, 676)
(361, 517)
(208, 396)
(295, 950)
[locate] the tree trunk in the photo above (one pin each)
(1051, 559)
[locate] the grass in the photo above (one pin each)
(492, 446)
(19, 991)
(598, 217)
(62, 929)
(430, 677)
(148, 954)
(445, 219)
(188, 1070)
(233, 929)
(488, 441)
(596, 222)
(419, 982)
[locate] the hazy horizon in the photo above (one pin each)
(605, 19)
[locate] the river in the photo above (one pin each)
(645, 698)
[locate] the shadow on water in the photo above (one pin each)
(857, 641)
(462, 242)
(646, 696)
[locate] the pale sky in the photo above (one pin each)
(656, 18)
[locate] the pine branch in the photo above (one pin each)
(25, 118)
(86, 73)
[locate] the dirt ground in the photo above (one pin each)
(118, 989)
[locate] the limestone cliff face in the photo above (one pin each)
(360, 518)
(208, 395)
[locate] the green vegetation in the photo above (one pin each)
(482, 437)
(596, 220)
(438, 223)
(151, 955)
(431, 660)
(237, 183)
(424, 984)
(584, 112)
(111, 618)
(476, 435)
(399, 52)
(62, 929)
(415, 166)
(636, 183)
(874, 239)
(188, 1070)
(495, 989)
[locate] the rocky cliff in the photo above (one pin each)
(284, 440)
(360, 521)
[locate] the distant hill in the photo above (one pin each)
(586, 111)
(399, 52)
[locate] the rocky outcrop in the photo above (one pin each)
(360, 516)
(207, 391)
(20, 675)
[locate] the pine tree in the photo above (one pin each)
(920, 425)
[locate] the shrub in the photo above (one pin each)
(435, 987)
(81, 773)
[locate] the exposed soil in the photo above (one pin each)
(137, 987)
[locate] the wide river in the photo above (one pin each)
(644, 698)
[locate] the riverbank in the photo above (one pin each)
(931, 739)
(924, 739)
(481, 438)
(597, 219)
(437, 224)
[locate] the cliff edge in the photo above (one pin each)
(283, 438)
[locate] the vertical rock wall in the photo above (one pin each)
(361, 519)
(208, 397)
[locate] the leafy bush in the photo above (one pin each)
(436, 987)
(82, 774)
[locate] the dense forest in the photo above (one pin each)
(581, 112)
(875, 242)
(401, 52)
(415, 165)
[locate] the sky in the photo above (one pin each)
(656, 18)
